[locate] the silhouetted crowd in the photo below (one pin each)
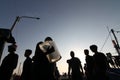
(39, 67)
(95, 67)
(42, 66)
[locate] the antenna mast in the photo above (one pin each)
(116, 44)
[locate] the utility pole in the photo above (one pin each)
(19, 17)
(5, 34)
(116, 43)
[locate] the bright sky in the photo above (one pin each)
(73, 25)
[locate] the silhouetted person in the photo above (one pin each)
(110, 60)
(100, 64)
(74, 67)
(27, 66)
(9, 63)
(89, 65)
(41, 66)
(52, 64)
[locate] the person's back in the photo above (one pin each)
(100, 61)
(100, 64)
(9, 63)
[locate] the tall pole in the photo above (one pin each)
(116, 42)
(17, 19)
(3, 39)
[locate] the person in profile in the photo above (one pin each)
(100, 64)
(75, 70)
(41, 69)
(89, 65)
(9, 63)
(27, 66)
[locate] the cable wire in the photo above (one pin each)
(106, 39)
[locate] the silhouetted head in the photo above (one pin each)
(93, 48)
(109, 54)
(72, 54)
(28, 52)
(12, 48)
(86, 51)
(48, 39)
(39, 43)
(37, 50)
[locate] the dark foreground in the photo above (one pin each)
(114, 74)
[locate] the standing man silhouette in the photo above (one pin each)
(9, 63)
(75, 68)
(27, 66)
(89, 65)
(100, 64)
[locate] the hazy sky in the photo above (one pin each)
(73, 25)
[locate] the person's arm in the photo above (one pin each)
(69, 68)
(81, 68)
